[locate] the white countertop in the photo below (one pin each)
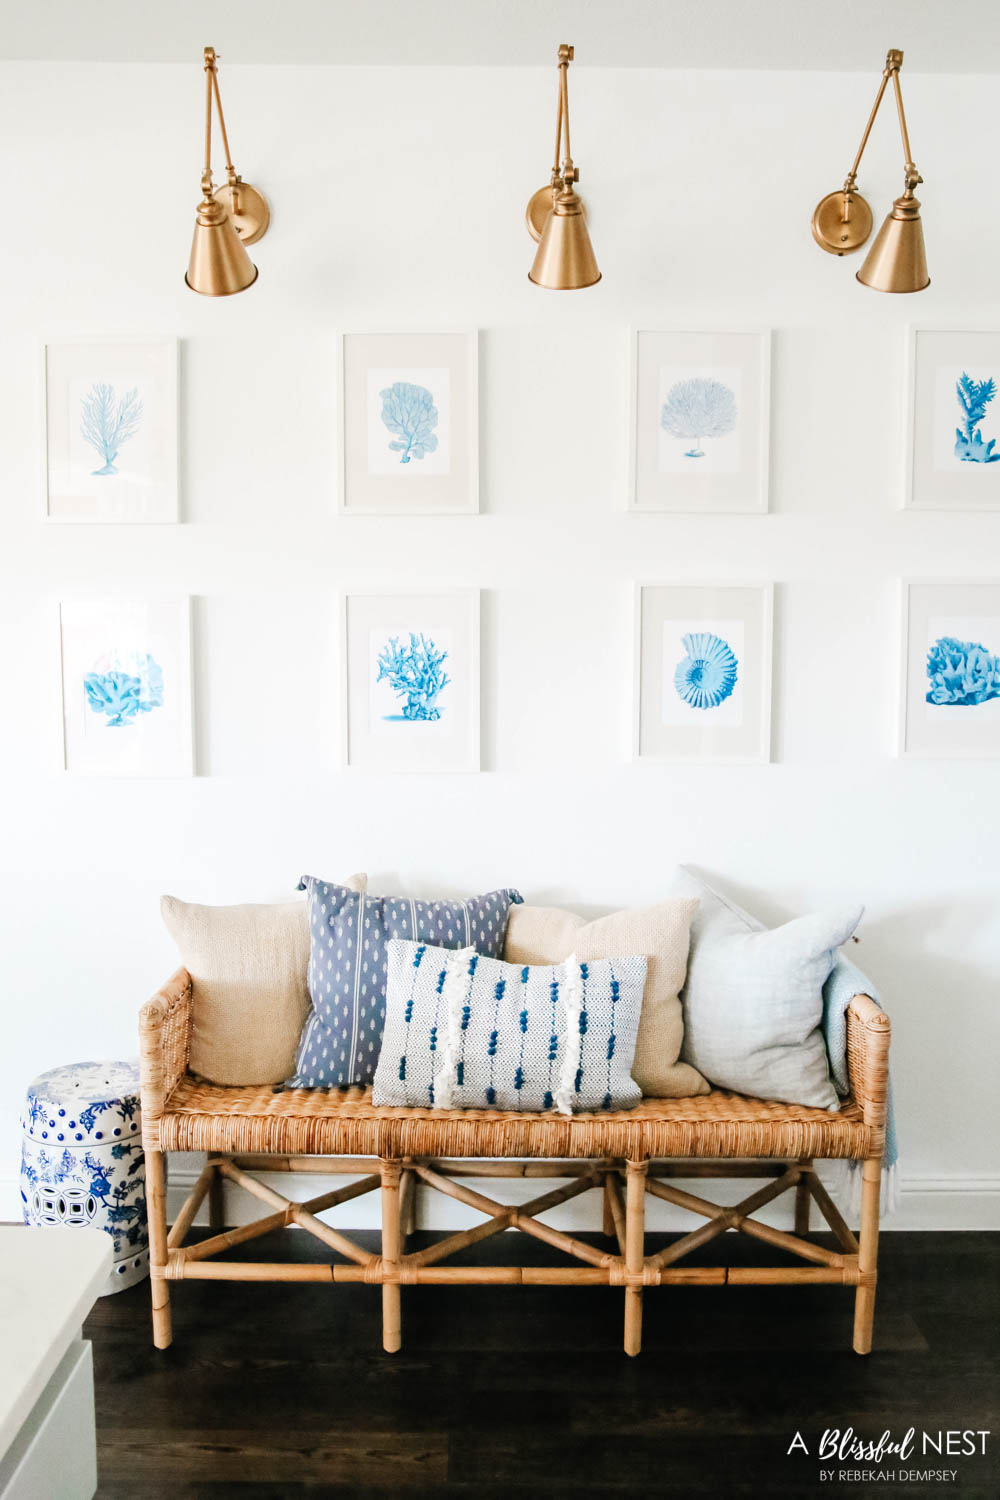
(49, 1281)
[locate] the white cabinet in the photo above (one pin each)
(49, 1279)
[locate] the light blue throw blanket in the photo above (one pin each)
(844, 983)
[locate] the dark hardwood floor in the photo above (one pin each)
(283, 1390)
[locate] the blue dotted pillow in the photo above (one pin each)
(348, 934)
(464, 1031)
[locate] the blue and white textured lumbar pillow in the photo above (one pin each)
(467, 1032)
(348, 933)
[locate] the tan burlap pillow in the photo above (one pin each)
(248, 965)
(547, 935)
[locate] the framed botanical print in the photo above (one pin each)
(700, 421)
(410, 699)
(126, 687)
(409, 424)
(953, 420)
(702, 672)
(950, 665)
(110, 412)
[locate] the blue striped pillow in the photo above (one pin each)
(348, 934)
(463, 1031)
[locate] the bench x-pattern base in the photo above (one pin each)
(623, 1185)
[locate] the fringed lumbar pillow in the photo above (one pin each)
(467, 1032)
(348, 935)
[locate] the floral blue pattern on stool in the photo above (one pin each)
(82, 1161)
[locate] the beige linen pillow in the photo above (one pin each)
(547, 935)
(248, 965)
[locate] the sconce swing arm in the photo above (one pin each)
(247, 208)
(843, 220)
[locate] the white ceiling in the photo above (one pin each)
(961, 36)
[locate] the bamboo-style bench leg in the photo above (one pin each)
(391, 1326)
(156, 1207)
(217, 1203)
(608, 1224)
(635, 1236)
(803, 1198)
(407, 1201)
(864, 1297)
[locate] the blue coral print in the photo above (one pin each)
(415, 672)
(707, 675)
(974, 396)
(125, 690)
(106, 422)
(696, 409)
(962, 673)
(409, 411)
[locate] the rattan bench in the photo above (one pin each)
(625, 1155)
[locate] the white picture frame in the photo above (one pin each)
(954, 726)
(721, 714)
(717, 375)
(385, 464)
(935, 427)
(109, 425)
(126, 695)
(386, 727)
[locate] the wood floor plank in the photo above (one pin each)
(279, 1391)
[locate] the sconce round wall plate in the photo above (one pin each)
(539, 208)
(254, 215)
(835, 234)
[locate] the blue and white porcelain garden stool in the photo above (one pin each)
(82, 1161)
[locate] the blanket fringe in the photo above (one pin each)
(846, 1186)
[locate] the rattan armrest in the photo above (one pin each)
(164, 1044)
(868, 1032)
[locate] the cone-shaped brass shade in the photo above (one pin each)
(219, 263)
(896, 261)
(565, 260)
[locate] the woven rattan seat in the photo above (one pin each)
(201, 1116)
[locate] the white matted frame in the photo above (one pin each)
(136, 716)
(736, 618)
(376, 733)
(953, 727)
(373, 477)
(935, 477)
(730, 473)
(121, 393)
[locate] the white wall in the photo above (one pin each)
(398, 197)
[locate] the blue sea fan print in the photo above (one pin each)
(962, 673)
(973, 397)
(698, 408)
(409, 411)
(125, 689)
(106, 422)
(707, 675)
(415, 673)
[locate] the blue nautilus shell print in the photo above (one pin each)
(707, 675)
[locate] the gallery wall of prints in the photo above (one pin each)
(398, 563)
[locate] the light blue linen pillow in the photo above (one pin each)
(467, 1032)
(348, 934)
(753, 997)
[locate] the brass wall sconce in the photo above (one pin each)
(556, 215)
(842, 221)
(229, 217)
